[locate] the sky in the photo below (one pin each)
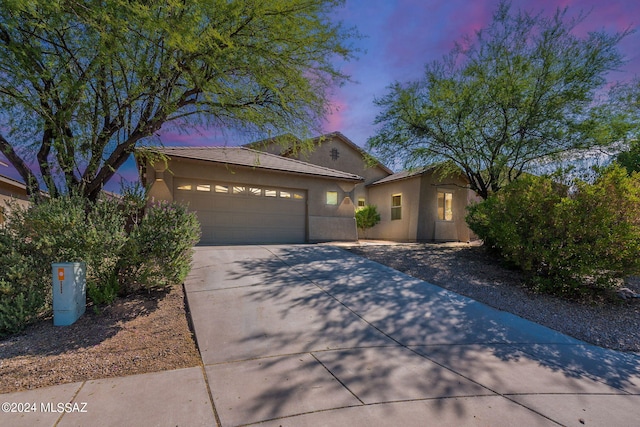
(404, 35)
(401, 36)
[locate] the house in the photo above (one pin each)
(413, 205)
(10, 189)
(335, 151)
(421, 205)
(272, 192)
(241, 195)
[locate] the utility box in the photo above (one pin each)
(69, 292)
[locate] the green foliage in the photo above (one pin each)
(90, 81)
(523, 89)
(22, 298)
(158, 253)
(573, 243)
(630, 159)
(64, 229)
(367, 217)
(105, 292)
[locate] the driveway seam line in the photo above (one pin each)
(337, 379)
(210, 394)
(75, 395)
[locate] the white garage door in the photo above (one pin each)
(245, 214)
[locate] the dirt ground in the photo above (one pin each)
(138, 334)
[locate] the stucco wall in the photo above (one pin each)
(404, 229)
(420, 210)
(430, 227)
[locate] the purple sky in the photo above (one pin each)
(401, 36)
(404, 35)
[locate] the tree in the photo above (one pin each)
(523, 89)
(628, 102)
(82, 83)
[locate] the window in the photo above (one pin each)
(445, 206)
(396, 206)
(285, 194)
(254, 191)
(270, 193)
(222, 188)
(184, 187)
(238, 190)
(298, 196)
(203, 187)
(361, 202)
(332, 197)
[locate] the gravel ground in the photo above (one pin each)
(469, 270)
(138, 334)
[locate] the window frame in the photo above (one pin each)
(396, 209)
(443, 215)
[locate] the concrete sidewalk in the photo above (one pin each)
(311, 335)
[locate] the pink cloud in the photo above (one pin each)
(334, 121)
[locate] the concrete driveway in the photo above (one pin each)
(311, 335)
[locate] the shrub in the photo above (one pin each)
(63, 229)
(22, 296)
(367, 217)
(571, 244)
(158, 253)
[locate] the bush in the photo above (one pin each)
(158, 253)
(367, 217)
(22, 296)
(155, 254)
(570, 244)
(64, 229)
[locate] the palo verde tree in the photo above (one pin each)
(82, 83)
(522, 89)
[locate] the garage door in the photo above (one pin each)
(245, 214)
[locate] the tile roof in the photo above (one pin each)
(242, 156)
(406, 174)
